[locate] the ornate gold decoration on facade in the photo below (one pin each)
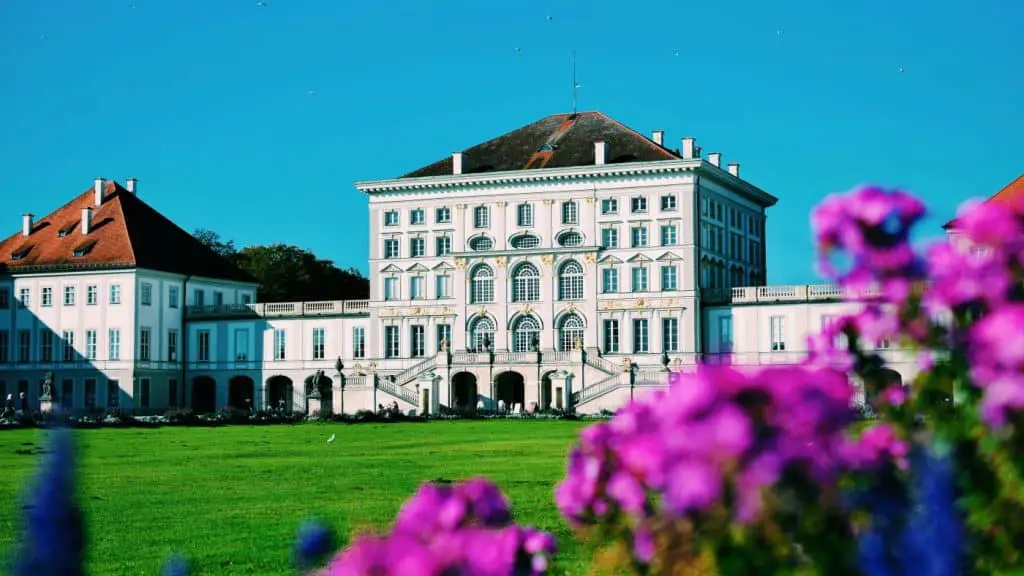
(501, 261)
(590, 199)
(482, 311)
(571, 308)
(548, 202)
(417, 312)
(460, 263)
(449, 310)
(640, 303)
(547, 259)
(460, 206)
(590, 257)
(627, 364)
(526, 309)
(502, 204)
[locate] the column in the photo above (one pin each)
(427, 388)
(561, 390)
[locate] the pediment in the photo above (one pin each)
(391, 269)
(417, 267)
(609, 259)
(444, 266)
(639, 258)
(668, 257)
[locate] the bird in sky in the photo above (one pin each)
(900, 69)
(261, 3)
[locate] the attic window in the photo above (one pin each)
(84, 249)
(548, 148)
(67, 230)
(20, 253)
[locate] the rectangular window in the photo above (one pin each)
(114, 344)
(669, 278)
(668, 203)
(609, 206)
(24, 297)
(144, 392)
(417, 216)
(609, 280)
(391, 218)
(570, 213)
(280, 344)
(444, 283)
(90, 393)
(416, 288)
(418, 341)
(390, 248)
(417, 247)
(443, 215)
(524, 215)
(610, 237)
(172, 393)
(443, 245)
(46, 297)
(358, 342)
(172, 297)
(391, 343)
(670, 335)
(69, 295)
(144, 342)
(725, 334)
(146, 294)
(113, 394)
(778, 336)
(611, 336)
(115, 293)
(67, 393)
(638, 205)
(91, 295)
(218, 298)
(46, 349)
(391, 288)
(5, 346)
(5, 299)
(199, 298)
(639, 237)
(24, 346)
(68, 340)
(318, 344)
(246, 299)
(640, 336)
(481, 217)
(90, 344)
(241, 345)
(639, 279)
(668, 235)
(172, 345)
(444, 334)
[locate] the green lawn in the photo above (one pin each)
(231, 498)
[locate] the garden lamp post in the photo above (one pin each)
(631, 369)
(339, 366)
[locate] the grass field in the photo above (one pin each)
(232, 498)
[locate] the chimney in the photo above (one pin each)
(86, 220)
(734, 169)
(130, 185)
(26, 225)
(659, 137)
(715, 158)
(98, 189)
(457, 163)
(599, 151)
(688, 146)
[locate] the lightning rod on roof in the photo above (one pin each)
(574, 85)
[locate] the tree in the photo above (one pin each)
(288, 273)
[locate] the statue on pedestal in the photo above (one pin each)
(444, 344)
(577, 343)
(627, 365)
(47, 392)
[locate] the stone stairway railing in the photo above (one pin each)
(595, 361)
(400, 392)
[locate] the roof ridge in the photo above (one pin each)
(117, 195)
(641, 136)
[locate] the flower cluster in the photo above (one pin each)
(453, 530)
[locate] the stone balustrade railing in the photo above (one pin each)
(282, 309)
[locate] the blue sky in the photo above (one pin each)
(256, 120)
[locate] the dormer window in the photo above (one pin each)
(67, 230)
(84, 249)
(20, 253)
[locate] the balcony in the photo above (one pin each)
(281, 310)
(779, 294)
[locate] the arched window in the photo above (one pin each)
(525, 332)
(526, 283)
(570, 330)
(481, 288)
(525, 241)
(570, 281)
(481, 334)
(481, 243)
(570, 239)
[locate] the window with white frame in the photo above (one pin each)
(443, 286)
(609, 206)
(390, 248)
(392, 346)
(417, 247)
(670, 335)
(144, 392)
(172, 345)
(203, 345)
(668, 235)
(481, 334)
(46, 297)
(611, 336)
(416, 291)
(391, 218)
(443, 215)
(391, 288)
(68, 345)
(89, 394)
(480, 243)
(46, 347)
(280, 344)
(523, 334)
(443, 245)
(669, 278)
(144, 343)
(828, 322)
(525, 283)
(146, 294)
(570, 331)
(241, 345)
(218, 298)
(639, 279)
(525, 241)
(778, 333)
(570, 212)
(416, 216)
(524, 214)
(113, 393)
(668, 203)
(481, 217)
(638, 204)
(24, 346)
(24, 297)
(115, 293)
(358, 342)
(570, 281)
(639, 237)
(69, 295)
(319, 349)
(173, 298)
(641, 341)
(91, 294)
(90, 344)
(570, 238)
(610, 237)
(725, 334)
(609, 280)
(418, 341)
(481, 288)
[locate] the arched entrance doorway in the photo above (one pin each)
(879, 379)
(325, 386)
(510, 388)
(241, 390)
(279, 393)
(547, 401)
(464, 391)
(204, 395)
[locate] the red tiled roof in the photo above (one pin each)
(557, 141)
(125, 233)
(1012, 193)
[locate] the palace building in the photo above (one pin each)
(570, 264)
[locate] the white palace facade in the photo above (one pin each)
(570, 264)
